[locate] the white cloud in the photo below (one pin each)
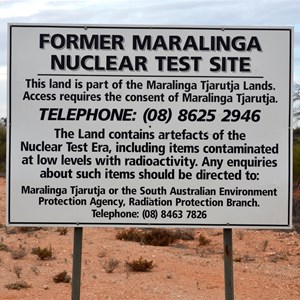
(3, 71)
(3, 84)
(21, 9)
(3, 95)
(28, 8)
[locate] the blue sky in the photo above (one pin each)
(147, 12)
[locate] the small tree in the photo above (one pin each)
(296, 162)
(296, 105)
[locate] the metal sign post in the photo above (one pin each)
(228, 264)
(77, 254)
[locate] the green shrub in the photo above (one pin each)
(296, 162)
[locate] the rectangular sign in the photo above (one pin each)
(149, 126)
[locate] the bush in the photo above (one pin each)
(4, 247)
(141, 265)
(18, 285)
(158, 237)
(296, 162)
(43, 253)
(110, 265)
(19, 253)
(153, 237)
(62, 277)
(203, 241)
(28, 229)
(62, 230)
(131, 234)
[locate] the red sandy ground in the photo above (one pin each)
(267, 265)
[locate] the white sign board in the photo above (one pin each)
(149, 126)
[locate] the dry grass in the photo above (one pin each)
(4, 247)
(43, 253)
(278, 256)
(17, 270)
(19, 253)
(244, 258)
(110, 265)
(18, 285)
(240, 234)
(265, 245)
(28, 229)
(35, 270)
(62, 230)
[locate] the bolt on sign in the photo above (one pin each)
(149, 126)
